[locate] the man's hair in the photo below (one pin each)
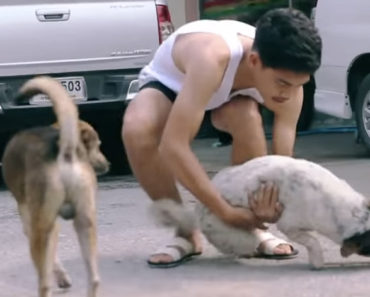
(287, 39)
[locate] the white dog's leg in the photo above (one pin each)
(312, 245)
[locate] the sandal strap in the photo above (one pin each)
(262, 235)
(270, 242)
(177, 248)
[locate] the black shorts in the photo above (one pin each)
(171, 95)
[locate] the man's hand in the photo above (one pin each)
(242, 218)
(265, 204)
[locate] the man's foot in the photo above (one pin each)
(272, 247)
(176, 253)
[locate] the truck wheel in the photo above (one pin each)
(362, 111)
(307, 113)
(115, 152)
(109, 130)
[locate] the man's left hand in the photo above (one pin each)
(265, 203)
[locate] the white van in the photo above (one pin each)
(343, 80)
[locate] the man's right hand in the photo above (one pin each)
(242, 218)
(264, 207)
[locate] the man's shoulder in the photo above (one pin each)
(203, 47)
(239, 27)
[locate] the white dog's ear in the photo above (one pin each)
(348, 248)
(366, 203)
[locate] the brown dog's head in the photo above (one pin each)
(91, 145)
(357, 244)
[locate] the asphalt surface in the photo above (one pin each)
(127, 235)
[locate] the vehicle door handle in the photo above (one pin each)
(53, 15)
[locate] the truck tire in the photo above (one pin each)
(362, 111)
(109, 130)
(114, 150)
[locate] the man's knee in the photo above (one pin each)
(239, 112)
(251, 114)
(137, 128)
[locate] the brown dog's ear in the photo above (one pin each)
(86, 137)
(348, 248)
(56, 125)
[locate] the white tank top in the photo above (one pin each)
(163, 69)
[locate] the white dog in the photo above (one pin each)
(314, 199)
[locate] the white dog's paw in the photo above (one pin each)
(316, 261)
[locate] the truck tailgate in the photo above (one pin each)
(44, 38)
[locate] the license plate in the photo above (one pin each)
(75, 86)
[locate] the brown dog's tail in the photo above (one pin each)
(171, 213)
(64, 108)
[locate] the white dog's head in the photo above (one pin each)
(357, 244)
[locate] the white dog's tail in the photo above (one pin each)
(171, 213)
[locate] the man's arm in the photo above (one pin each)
(202, 78)
(285, 125)
(204, 70)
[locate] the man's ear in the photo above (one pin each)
(348, 248)
(254, 59)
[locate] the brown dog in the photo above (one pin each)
(50, 172)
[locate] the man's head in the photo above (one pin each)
(285, 52)
(287, 39)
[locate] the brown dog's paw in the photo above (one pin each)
(63, 280)
(64, 283)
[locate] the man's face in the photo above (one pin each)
(278, 85)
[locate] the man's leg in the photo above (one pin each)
(143, 124)
(241, 118)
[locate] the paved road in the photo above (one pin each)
(127, 235)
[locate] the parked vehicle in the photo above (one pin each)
(343, 80)
(95, 48)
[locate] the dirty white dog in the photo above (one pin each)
(314, 199)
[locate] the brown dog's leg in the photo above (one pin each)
(85, 225)
(41, 240)
(42, 246)
(61, 275)
(44, 206)
(25, 217)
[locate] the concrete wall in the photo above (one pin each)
(177, 10)
(183, 11)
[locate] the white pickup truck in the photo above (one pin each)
(95, 48)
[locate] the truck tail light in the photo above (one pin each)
(165, 27)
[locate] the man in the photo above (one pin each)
(230, 68)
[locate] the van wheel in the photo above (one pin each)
(362, 111)
(307, 113)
